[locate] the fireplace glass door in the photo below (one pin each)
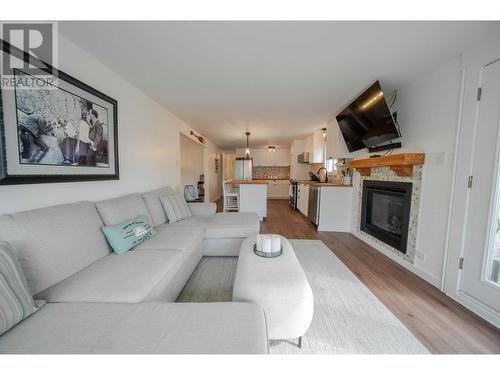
(386, 211)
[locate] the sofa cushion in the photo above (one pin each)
(53, 243)
(202, 208)
(174, 238)
(16, 302)
(233, 225)
(224, 225)
(152, 201)
(129, 277)
(161, 328)
(125, 236)
(176, 279)
(117, 210)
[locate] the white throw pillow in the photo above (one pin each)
(175, 207)
(16, 303)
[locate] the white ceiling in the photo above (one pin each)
(279, 80)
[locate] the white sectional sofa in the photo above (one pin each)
(223, 233)
(100, 302)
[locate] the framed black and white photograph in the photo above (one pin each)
(53, 127)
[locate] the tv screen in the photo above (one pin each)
(367, 121)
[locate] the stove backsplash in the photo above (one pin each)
(279, 173)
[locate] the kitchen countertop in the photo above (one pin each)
(248, 182)
(316, 183)
(273, 179)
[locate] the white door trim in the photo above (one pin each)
(472, 63)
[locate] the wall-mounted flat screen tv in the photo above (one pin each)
(367, 121)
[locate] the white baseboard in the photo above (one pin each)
(477, 307)
(331, 228)
(462, 298)
(431, 279)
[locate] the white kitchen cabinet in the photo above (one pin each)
(303, 198)
(278, 189)
(263, 158)
(314, 144)
(299, 197)
(259, 156)
(284, 189)
(335, 144)
(253, 198)
(279, 158)
(335, 208)
(282, 157)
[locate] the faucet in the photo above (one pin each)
(326, 173)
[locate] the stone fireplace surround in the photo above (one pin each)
(387, 174)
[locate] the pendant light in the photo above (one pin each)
(247, 150)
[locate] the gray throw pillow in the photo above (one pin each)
(16, 302)
(175, 207)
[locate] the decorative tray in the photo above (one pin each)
(267, 255)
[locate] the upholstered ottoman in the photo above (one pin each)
(278, 285)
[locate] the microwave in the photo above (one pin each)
(303, 158)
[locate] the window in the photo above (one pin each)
(331, 165)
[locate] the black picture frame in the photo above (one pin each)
(15, 179)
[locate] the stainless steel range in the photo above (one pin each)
(293, 193)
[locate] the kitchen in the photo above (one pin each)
(274, 172)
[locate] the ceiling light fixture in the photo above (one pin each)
(271, 148)
(324, 132)
(247, 150)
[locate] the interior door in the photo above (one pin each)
(480, 276)
(222, 172)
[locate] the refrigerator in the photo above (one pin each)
(243, 169)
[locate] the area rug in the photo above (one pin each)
(348, 318)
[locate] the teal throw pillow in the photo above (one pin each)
(125, 236)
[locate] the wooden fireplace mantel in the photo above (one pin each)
(401, 164)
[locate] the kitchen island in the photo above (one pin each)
(253, 196)
(332, 212)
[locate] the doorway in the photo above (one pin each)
(192, 165)
(481, 257)
(473, 260)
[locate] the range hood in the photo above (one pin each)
(303, 158)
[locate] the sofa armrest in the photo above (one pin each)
(202, 208)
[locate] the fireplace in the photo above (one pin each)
(385, 211)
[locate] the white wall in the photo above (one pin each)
(228, 169)
(192, 164)
(213, 189)
(298, 171)
(428, 113)
(148, 142)
(212, 179)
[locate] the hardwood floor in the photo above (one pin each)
(440, 323)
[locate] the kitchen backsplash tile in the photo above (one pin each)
(281, 173)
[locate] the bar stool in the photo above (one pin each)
(231, 197)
